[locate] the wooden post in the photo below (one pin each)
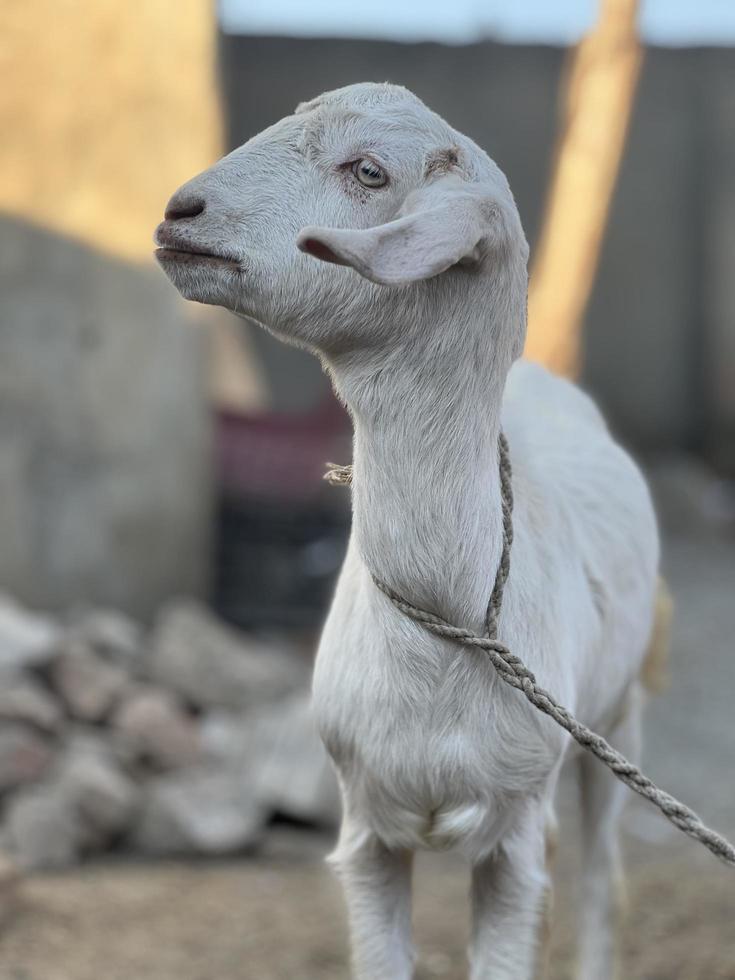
(598, 95)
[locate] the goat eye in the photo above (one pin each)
(369, 174)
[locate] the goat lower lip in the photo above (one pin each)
(186, 256)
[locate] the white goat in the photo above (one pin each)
(418, 324)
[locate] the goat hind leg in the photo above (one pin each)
(602, 893)
(543, 966)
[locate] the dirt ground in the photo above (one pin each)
(282, 919)
(279, 916)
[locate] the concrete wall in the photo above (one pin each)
(717, 106)
(661, 326)
(104, 429)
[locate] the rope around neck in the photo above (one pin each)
(514, 672)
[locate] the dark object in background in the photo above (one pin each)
(281, 530)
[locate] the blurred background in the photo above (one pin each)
(168, 544)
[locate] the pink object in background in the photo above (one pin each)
(280, 456)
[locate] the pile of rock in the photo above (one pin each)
(186, 740)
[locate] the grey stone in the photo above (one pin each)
(211, 665)
(26, 639)
(81, 739)
(42, 828)
(88, 685)
(24, 755)
(104, 799)
(111, 634)
(100, 742)
(226, 737)
(24, 699)
(277, 752)
(156, 727)
(198, 812)
(294, 775)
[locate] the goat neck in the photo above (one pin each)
(426, 492)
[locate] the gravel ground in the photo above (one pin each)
(279, 917)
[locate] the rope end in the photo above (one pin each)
(338, 476)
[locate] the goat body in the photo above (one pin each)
(417, 310)
(432, 748)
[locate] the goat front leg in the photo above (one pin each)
(508, 890)
(377, 887)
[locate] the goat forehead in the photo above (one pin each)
(391, 134)
(391, 107)
(364, 95)
(277, 146)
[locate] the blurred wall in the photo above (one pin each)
(105, 469)
(105, 432)
(661, 324)
(660, 336)
(106, 108)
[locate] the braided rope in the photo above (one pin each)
(514, 672)
(506, 497)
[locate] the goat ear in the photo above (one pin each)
(437, 227)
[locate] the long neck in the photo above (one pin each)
(426, 488)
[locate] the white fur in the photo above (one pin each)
(418, 315)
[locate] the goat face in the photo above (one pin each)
(373, 185)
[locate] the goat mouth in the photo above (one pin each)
(172, 248)
(194, 256)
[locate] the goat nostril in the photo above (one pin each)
(190, 208)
